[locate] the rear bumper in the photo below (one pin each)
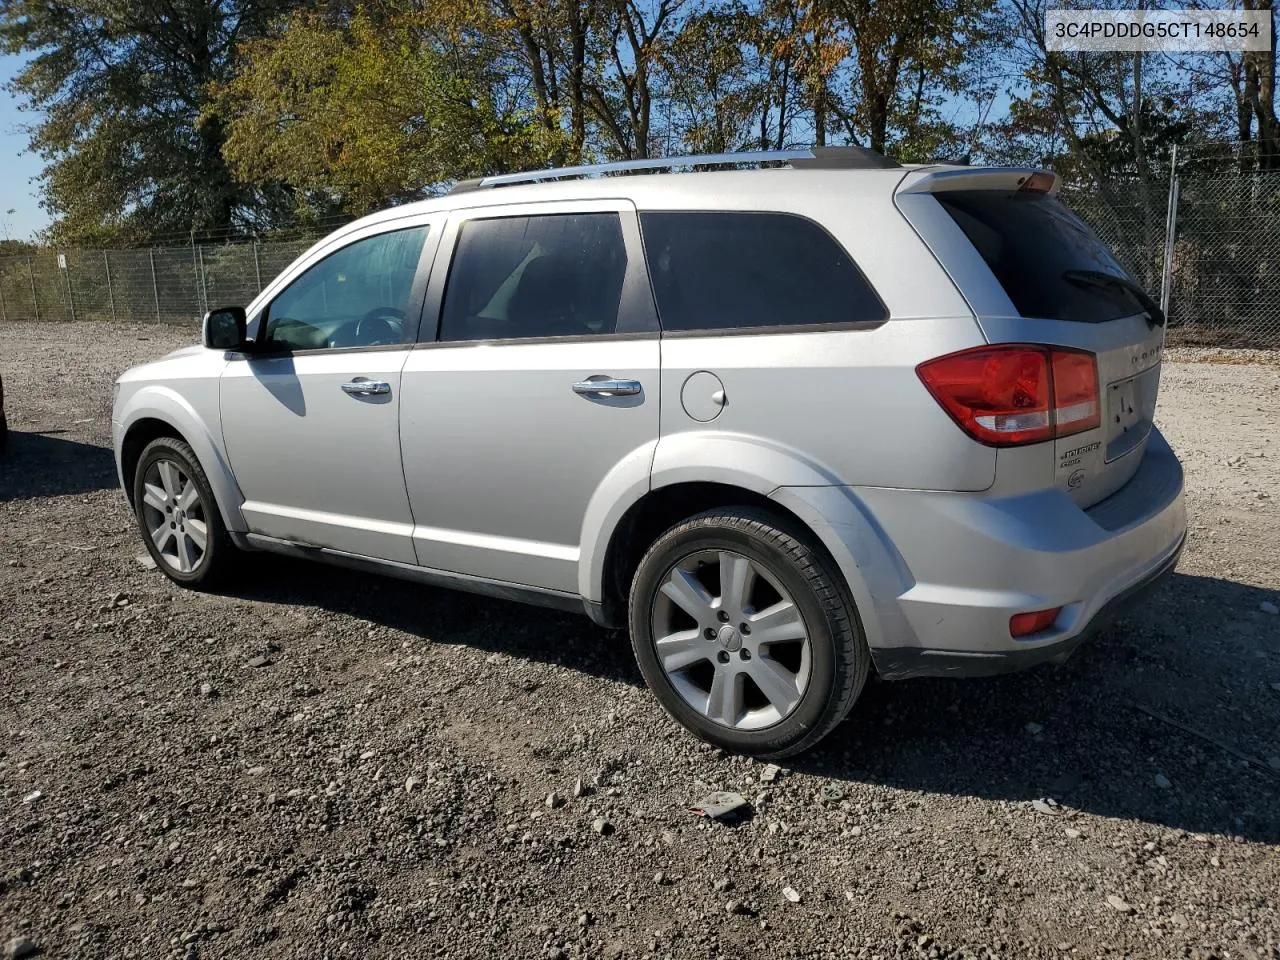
(972, 562)
(901, 662)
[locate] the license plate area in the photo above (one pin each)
(1129, 408)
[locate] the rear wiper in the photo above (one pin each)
(1096, 278)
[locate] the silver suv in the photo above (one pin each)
(788, 424)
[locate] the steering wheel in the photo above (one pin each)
(380, 325)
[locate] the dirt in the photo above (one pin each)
(377, 785)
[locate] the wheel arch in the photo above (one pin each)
(164, 414)
(695, 472)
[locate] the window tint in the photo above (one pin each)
(356, 297)
(1035, 246)
(718, 271)
(546, 276)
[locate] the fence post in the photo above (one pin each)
(1170, 235)
(66, 275)
(35, 301)
(155, 290)
(4, 310)
(257, 265)
(204, 284)
(195, 271)
(111, 296)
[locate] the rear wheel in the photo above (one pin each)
(178, 516)
(745, 633)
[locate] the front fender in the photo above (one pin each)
(159, 402)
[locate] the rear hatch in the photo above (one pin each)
(1049, 279)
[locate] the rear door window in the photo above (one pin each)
(727, 271)
(1035, 245)
(516, 278)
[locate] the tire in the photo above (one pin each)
(168, 473)
(784, 567)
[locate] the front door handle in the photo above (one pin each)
(360, 387)
(607, 388)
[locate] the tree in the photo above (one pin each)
(123, 90)
(357, 113)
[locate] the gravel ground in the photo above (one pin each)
(325, 764)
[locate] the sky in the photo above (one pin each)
(18, 168)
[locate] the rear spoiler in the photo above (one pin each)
(942, 179)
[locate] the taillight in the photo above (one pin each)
(1016, 393)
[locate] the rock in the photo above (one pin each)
(721, 805)
(206, 690)
(601, 826)
(554, 800)
(1162, 781)
(411, 783)
(1115, 903)
(792, 895)
(660, 878)
(33, 796)
(190, 884)
(578, 788)
(368, 755)
(1033, 728)
(1047, 806)
(19, 948)
(723, 885)
(555, 953)
(1072, 833)
(256, 771)
(735, 908)
(145, 562)
(832, 793)
(260, 661)
(1266, 606)
(771, 773)
(855, 831)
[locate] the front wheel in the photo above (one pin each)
(178, 516)
(744, 631)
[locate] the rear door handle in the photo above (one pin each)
(607, 388)
(360, 387)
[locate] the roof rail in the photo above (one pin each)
(815, 158)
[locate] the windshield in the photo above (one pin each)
(1038, 249)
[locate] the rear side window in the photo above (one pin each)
(1035, 246)
(725, 271)
(547, 276)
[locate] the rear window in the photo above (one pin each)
(1034, 245)
(725, 271)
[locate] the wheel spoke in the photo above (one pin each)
(737, 577)
(687, 592)
(184, 553)
(777, 623)
(775, 681)
(724, 701)
(198, 533)
(170, 477)
(190, 496)
(154, 497)
(161, 536)
(683, 649)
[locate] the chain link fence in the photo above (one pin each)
(175, 285)
(1220, 275)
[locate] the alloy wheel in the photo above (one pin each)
(174, 515)
(731, 639)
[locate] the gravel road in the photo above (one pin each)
(320, 763)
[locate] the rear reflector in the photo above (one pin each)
(1016, 393)
(1041, 182)
(1025, 624)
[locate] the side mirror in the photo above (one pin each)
(225, 328)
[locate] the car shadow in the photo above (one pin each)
(1092, 733)
(46, 465)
